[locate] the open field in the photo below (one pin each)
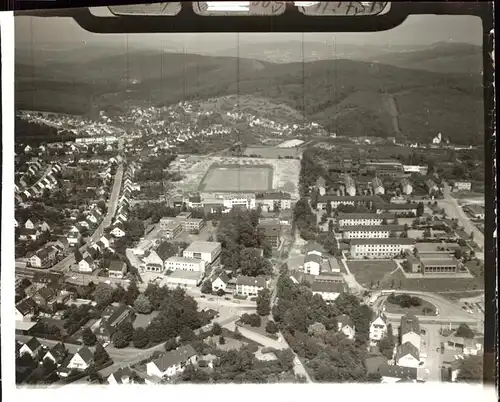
(236, 178)
(370, 272)
(193, 168)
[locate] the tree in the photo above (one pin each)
(78, 256)
(118, 293)
(330, 226)
(120, 340)
(103, 295)
(88, 337)
(100, 354)
(142, 304)
(222, 340)
(471, 370)
(264, 302)
(128, 330)
(464, 331)
(220, 292)
(271, 327)
(427, 233)
(140, 338)
(206, 287)
(171, 344)
(420, 209)
(132, 293)
(216, 328)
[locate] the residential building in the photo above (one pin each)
(431, 186)
(464, 346)
(117, 269)
(82, 360)
(153, 262)
(406, 186)
(271, 232)
(172, 363)
(397, 208)
(29, 224)
(184, 278)
(44, 258)
(380, 248)
(45, 298)
(170, 228)
(250, 286)
(31, 347)
(118, 230)
(220, 282)
(185, 264)
(329, 291)
(121, 376)
(274, 201)
(335, 201)
(57, 354)
(346, 326)
(384, 168)
(407, 355)
(28, 234)
(462, 186)
(25, 309)
(378, 328)
(86, 264)
(207, 251)
(364, 219)
(111, 318)
(313, 248)
(410, 330)
(371, 232)
(350, 186)
(378, 186)
(394, 374)
(192, 225)
(312, 264)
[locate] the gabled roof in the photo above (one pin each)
(86, 355)
(121, 373)
(33, 344)
(117, 266)
(381, 316)
(393, 371)
(223, 277)
(26, 306)
(327, 287)
(409, 323)
(58, 352)
(174, 357)
(313, 258)
(345, 321)
(46, 293)
(407, 348)
(258, 281)
(166, 250)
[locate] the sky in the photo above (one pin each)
(59, 32)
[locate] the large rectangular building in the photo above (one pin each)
(335, 201)
(364, 219)
(274, 201)
(185, 264)
(170, 229)
(207, 251)
(371, 232)
(380, 248)
(431, 266)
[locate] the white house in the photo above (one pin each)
(220, 283)
(118, 231)
(250, 286)
(117, 269)
(86, 264)
(172, 363)
(57, 354)
(29, 224)
(153, 262)
(25, 309)
(329, 291)
(410, 330)
(346, 326)
(81, 360)
(312, 264)
(320, 185)
(31, 347)
(378, 328)
(407, 355)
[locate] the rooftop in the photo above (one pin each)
(258, 281)
(174, 357)
(402, 241)
(203, 246)
(327, 287)
(394, 371)
(185, 275)
(439, 262)
(409, 323)
(407, 348)
(364, 216)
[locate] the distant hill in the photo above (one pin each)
(442, 57)
(348, 97)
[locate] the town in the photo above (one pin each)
(177, 253)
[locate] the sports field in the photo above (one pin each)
(234, 178)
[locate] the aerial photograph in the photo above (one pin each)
(249, 208)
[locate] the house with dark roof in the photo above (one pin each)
(57, 354)
(45, 298)
(28, 234)
(407, 355)
(346, 326)
(43, 258)
(31, 347)
(121, 376)
(410, 330)
(313, 248)
(25, 309)
(393, 374)
(81, 360)
(111, 318)
(86, 264)
(118, 230)
(172, 363)
(250, 286)
(117, 269)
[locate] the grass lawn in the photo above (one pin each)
(417, 310)
(435, 285)
(143, 320)
(370, 272)
(259, 330)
